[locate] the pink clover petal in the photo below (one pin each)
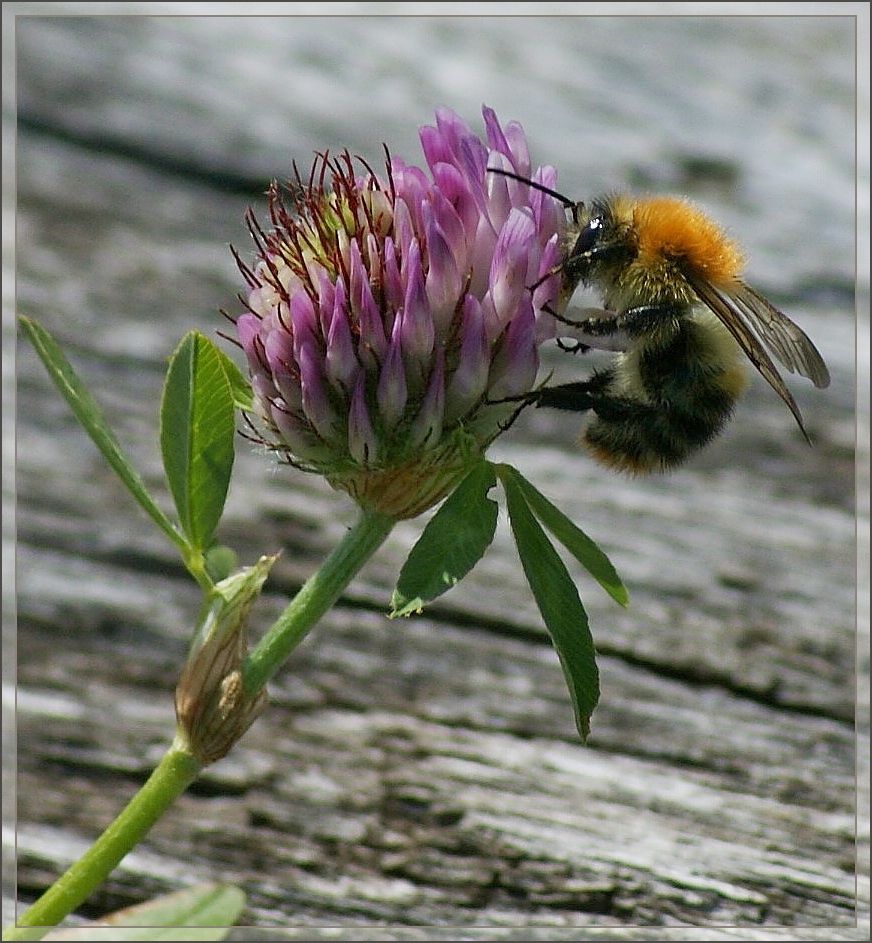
(302, 321)
(392, 393)
(362, 440)
(418, 331)
(372, 344)
(341, 365)
(516, 360)
(443, 283)
(315, 403)
(426, 427)
(469, 380)
(393, 284)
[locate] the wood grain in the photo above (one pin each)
(425, 773)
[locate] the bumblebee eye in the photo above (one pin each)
(589, 236)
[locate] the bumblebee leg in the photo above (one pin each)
(575, 348)
(559, 317)
(525, 401)
(643, 320)
(575, 397)
(634, 322)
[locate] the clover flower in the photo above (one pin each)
(390, 317)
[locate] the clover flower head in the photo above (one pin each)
(390, 317)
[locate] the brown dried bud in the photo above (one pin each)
(212, 709)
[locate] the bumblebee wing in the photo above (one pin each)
(790, 344)
(731, 312)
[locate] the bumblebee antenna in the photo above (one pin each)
(569, 204)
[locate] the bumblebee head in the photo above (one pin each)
(600, 241)
(648, 250)
(657, 246)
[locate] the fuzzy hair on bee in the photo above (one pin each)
(670, 281)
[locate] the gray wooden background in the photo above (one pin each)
(417, 777)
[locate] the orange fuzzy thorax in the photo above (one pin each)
(671, 229)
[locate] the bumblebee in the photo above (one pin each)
(669, 279)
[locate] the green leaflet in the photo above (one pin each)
(89, 415)
(204, 912)
(558, 601)
(243, 398)
(197, 433)
(572, 537)
(453, 541)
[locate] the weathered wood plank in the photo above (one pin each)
(421, 773)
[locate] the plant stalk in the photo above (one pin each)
(172, 776)
(178, 769)
(316, 596)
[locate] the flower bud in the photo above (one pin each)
(213, 709)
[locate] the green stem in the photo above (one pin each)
(176, 771)
(179, 768)
(315, 597)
